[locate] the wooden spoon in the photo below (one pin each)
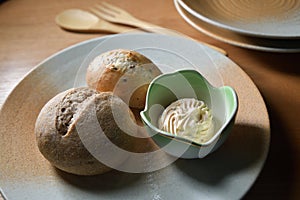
(82, 21)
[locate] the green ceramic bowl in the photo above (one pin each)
(170, 87)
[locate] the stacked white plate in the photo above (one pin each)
(268, 25)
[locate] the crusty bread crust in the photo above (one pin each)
(60, 119)
(126, 73)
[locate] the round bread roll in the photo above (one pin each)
(79, 117)
(126, 73)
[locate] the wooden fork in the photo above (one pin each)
(115, 14)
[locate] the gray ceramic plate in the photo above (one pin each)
(268, 18)
(226, 174)
(241, 40)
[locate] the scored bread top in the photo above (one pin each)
(82, 116)
(69, 106)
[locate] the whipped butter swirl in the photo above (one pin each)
(188, 118)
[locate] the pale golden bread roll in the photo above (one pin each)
(126, 73)
(76, 114)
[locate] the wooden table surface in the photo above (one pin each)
(29, 35)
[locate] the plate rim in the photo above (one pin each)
(227, 40)
(234, 29)
(99, 39)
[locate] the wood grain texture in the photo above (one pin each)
(29, 35)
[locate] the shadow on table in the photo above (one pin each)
(276, 178)
(287, 63)
(2, 1)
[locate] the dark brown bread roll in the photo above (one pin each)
(83, 113)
